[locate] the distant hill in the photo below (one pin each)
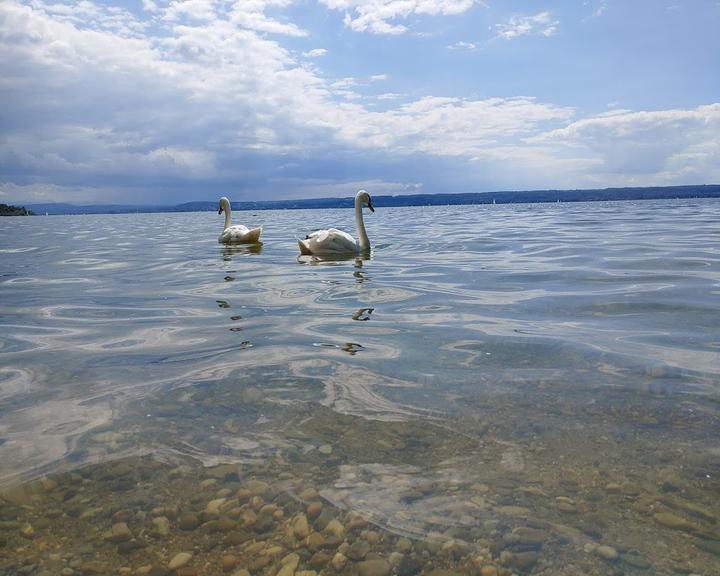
(6, 210)
(501, 197)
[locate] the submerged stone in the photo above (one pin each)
(373, 568)
(606, 552)
(673, 521)
(635, 560)
(179, 560)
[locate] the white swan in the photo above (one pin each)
(333, 242)
(237, 234)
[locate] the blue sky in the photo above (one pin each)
(157, 102)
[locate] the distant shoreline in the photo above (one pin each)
(468, 198)
(10, 210)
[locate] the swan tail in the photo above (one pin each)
(304, 250)
(254, 235)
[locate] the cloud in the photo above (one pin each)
(451, 126)
(47, 192)
(377, 17)
(469, 46)
(84, 103)
(541, 23)
(250, 14)
(98, 105)
(302, 188)
(149, 6)
(315, 53)
(598, 7)
(198, 10)
(666, 146)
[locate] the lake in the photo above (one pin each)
(498, 389)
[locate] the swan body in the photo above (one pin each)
(334, 242)
(237, 233)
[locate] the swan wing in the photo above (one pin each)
(331, 241)
(239, 234)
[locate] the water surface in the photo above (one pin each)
(483, 358)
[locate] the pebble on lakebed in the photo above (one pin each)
(180, 519)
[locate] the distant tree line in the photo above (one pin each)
(379, 200)
(7, 210)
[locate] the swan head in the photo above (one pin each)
(224, 204)
(364, 198)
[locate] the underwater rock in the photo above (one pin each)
(675, 522)
(373, 568)
(119, 533)
(709, 546)
(313, 510)
(228, 562)
(635, 560)
(358, 550)
(339, 561)
(335, 528)
(179, 560)
(606, 552)
(520, 561)
(525, 536)
(300, 526)
(188, 521)
(314, 541)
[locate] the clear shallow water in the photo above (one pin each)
(509, 347)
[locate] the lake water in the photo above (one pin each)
(496, 390)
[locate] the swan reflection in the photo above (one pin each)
(360, 277)
(362, 314)
(351, 348)
(230, 250)
(331, 259)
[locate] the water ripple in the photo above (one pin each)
(466, 302)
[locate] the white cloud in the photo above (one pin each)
(315, 53)
(45, 192)
(377, 16)
(94, 98)
(378, 77)
(541, 23)
(149, 6)
(667, 146)
(198, 10)
(330, 188)
(451, 126)
(250, 14)
(90, 16)
(469, 46)
(344, 88)
(598, 7)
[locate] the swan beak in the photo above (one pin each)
(371, 206)
(220, 210)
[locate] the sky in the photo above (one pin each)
(163, 102)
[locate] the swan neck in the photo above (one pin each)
(227, 211)
(360, 225)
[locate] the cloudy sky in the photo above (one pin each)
(155, 101)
